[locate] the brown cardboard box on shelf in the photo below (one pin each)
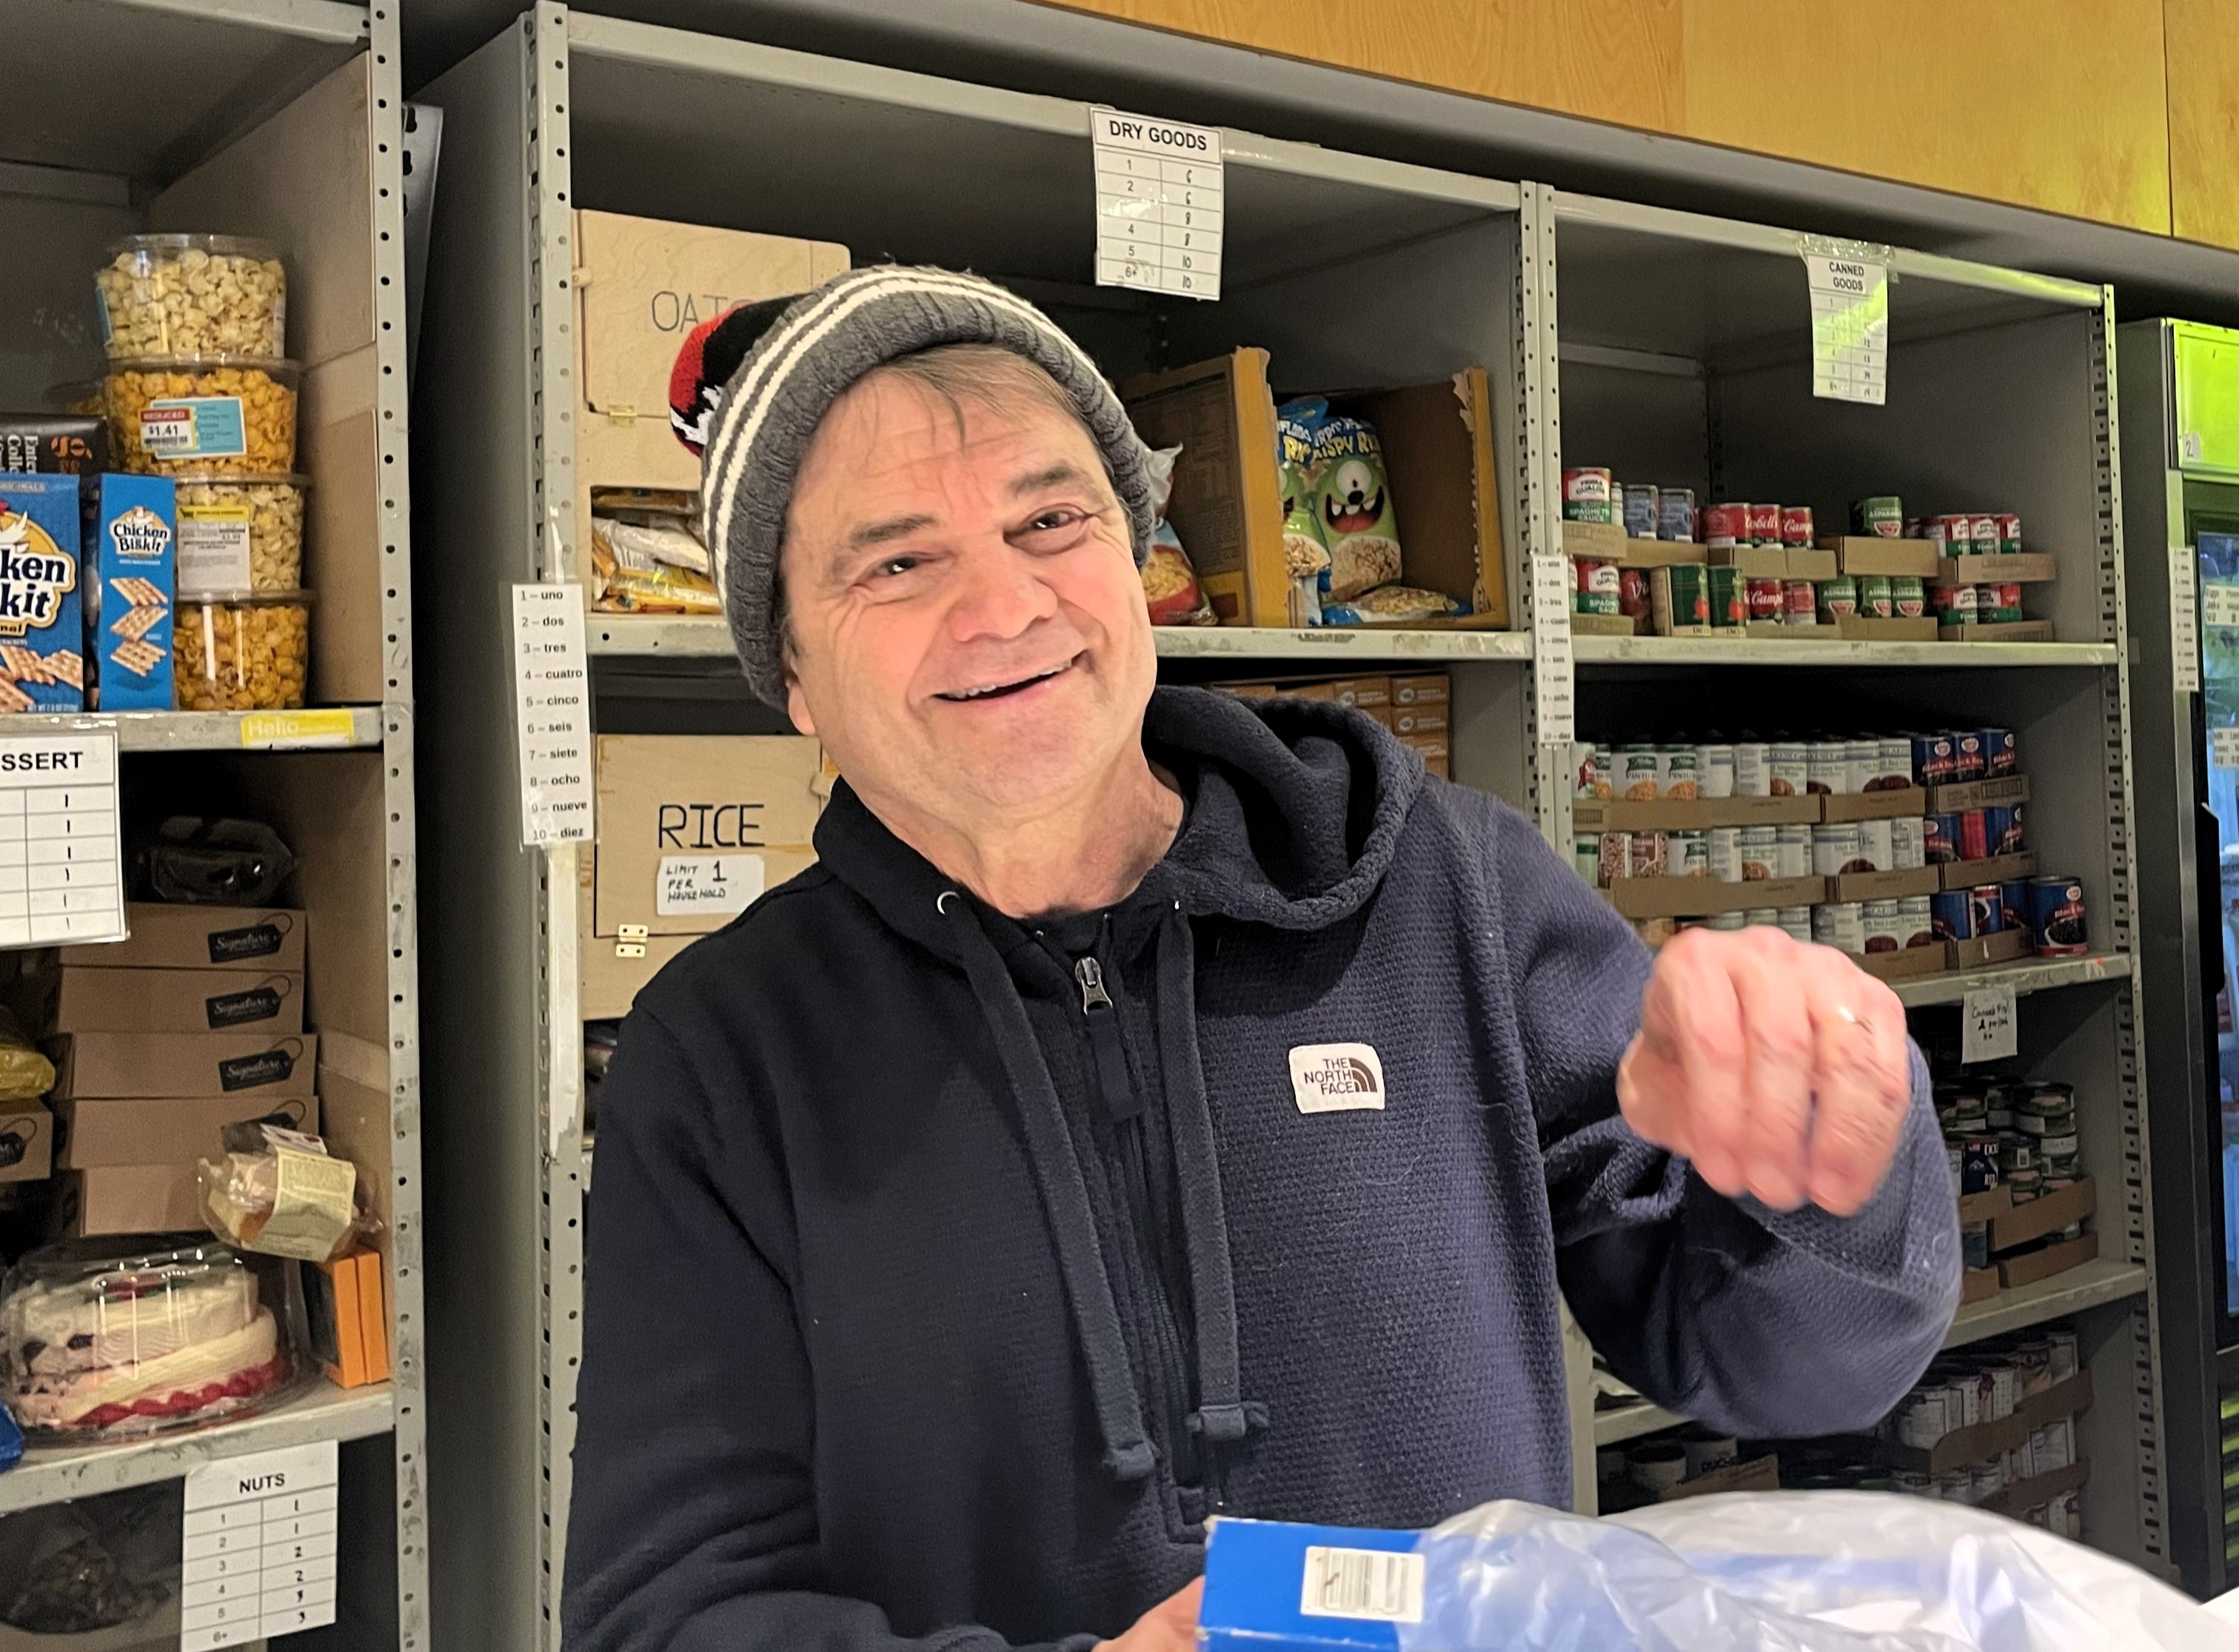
(1607, 542)
(1999, 869)
(2015, 567)
(1870, 554)
(128, 1198)
(642, 286)
(1997, 631)
(107, 1130)
(1752, 1474)
(614, 969)
(31, 1128)
(2003, 948)
(262, 938)
(1903, 964)
(692, 828)
(1429, 688)
(1884, 886)
(1694, 897)
(1977, 1285)
(1895, 803)
(171, 1064)
(90, 1000)
(2032, 1265)
(1419, 719)
(1978, 794)
(1691, 814)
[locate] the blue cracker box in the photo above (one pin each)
(40, 666)
(1274, 1587)
(131, 555)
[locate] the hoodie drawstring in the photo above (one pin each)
(1223, 1414)
(1127, 1452)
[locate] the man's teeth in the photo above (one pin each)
(1004, 688)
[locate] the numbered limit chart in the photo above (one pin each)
(258, 1555)
(61, 874)
(1158, 202)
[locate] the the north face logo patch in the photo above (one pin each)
(1336, 1079)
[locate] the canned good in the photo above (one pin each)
(1893, 763)
(1796, 923)
(1752, 775)
(1930, 528)
(1637, 776)
(1874, 597)
(1767, 603)
(1586, 856)
(1939, 839)
(1616, 858)
(1589, 494)
(1787, 769)
(1933, 760)
(1764, 523)
(1725, 853)
(1908, 597)
(1650, 856)
(1714, 770)
(1835, 850)
(2056, 920)
(1589, 577)
(1983, 531)
(1860, 760)
(1985, 915)
(1999, 604)
(1792, 851)
(2002, 827)
(1838, 598)
(1986, 1480)
(1691, 593)
(1763, 916)
(1974, 1240)
(1675, 513)
(1954, 604)
(1726, 524)
(1676, 774)
(1883, 925)
(1908, 843)
(1974, 834)
(1795, 525)
(1757, 848)
(1592, 764)
(2010, 531)
(1800, 601)
(1978, 1163)
(2001, 754)
(1827, 767)
(1840, 924)
(2045, 1099)
(1882, 515)
(1727, 922)
(1968, 760)
(1729, 593)
(1919, 925)
(2013, 902)
(2058, 1150)
(1594, 602)
(1876, 845)
(1638, 500)
(1947, 915)
(2002, 1392)
(2015, 1153)
(2065, 1353)
(2032, 1359)
(2024, 1187)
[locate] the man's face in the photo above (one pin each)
(969, 631)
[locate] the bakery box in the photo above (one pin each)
(262, 938)
(97, 1131)
(90, 1000)
(128, 1198)
(171, 1064)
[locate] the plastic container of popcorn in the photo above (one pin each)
(192, 295)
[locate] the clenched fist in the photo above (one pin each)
(1775, 1068)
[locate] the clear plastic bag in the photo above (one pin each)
(1835, 1571)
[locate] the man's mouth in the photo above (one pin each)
(998, 690)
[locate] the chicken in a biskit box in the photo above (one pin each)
(41, 667)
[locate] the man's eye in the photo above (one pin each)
(1062, 516)
(894, 565)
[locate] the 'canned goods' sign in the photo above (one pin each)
(1849, 321)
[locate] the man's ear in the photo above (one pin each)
(796, 704)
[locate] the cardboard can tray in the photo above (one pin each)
(1692, 897)
(1999, 869)
(1978, 794)
(1982, 1441)
(2008, 568)
(1903, 964)
(1775, 561)
(1604, 625)
(1689, 814)
(1885, 886)
(2031, 1266)
(1870, 554)
(1607, 542)
(1999, 631)
(1896, 802)
(2018, 1499)
(1779, 630)
(1983, 951)
(1854, 628)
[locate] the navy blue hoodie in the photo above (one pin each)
(945, 1272)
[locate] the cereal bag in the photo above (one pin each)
(1305, 553)
(1170, 583)
(1354, 500)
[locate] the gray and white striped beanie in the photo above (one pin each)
(809, 355)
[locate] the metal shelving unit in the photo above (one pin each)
(282, 119)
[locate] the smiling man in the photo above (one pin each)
(1152, 1105)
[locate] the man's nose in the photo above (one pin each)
(1001, 594)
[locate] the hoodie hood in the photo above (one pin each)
(1294, 811)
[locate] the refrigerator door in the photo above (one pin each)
(2206, 431)
(2217, 869)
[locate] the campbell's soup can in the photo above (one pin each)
(1758, 849)
(1714, 770)
(1636, 772)
(1796, 524)
(1874, 597)
(1875, 845)
(1632, 592)
(1835, 850)
(1725, 853)
(1882, 515)
(1934, 762)
(1908, 843)
(1787, 766)
(1907, 597)
(1689, 855)
(1767, 602)
(1637, 500)
(2009, 532)
(2001, 755)
(1974, 835)
(1792, 851)
(1983, 531)
(1838, 598)
(1986, 910)
(1968, 761)
(2056, 925)
(1840, 924)
(1940, 839)
(1589, 494)
(1726, 524)
(1796, 922)
(2001, 829)
(1883, 925)
(1799, 599)
(1676, 774)
(1752, 770)
(1947, 915)
(1893, 766)
(1675, 513)
(1764, 523)
(1827, 765)
(1919, 924)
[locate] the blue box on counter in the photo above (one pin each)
(1274, 1587)
(42, 667)
(131, 557)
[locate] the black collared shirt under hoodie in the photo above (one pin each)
(946, 1272)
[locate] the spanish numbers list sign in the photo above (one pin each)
(1158, 188)
(552, 713)
(61, 874)
(258, 1556)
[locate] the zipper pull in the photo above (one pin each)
(1090, 975)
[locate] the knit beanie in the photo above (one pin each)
(750, 388)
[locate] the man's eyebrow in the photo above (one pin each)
(879, 533)
(1059, 475)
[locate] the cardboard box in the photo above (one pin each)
(373, 1299)
(1697, 898)
(346, 1306)
(1903, 964)
(26, 1141)
(92, 1131)
(1781, 631)
(1662, 613)
(128, 1198)
(130, 575)
(1428, 746)
(264, 938)
(693, 828)
(1982, 1441)
(56, 444)
(42, 633)
(1896, 803)
(1998, 869)
(1775, 561)
(1604, 625)
(1607, 542)
(1977, 1285)
(2003, 631)
(2033, 1265)
(1431, 688)
(1883, 886)
(2012, 568)
(2020, 1224)
(105, 1064)
(85, 999)
(2025, 1495)
(1425, 719)
(1684, 815)
(1753, 1473)
(1852, 628)
(642, 286)
(1261, 1576)
(614, 970)
(1980, 953)
(1226, 504)
(1870, 554)
(1978, 794)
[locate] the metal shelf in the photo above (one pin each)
(2033, 974)
(56, 1473)
(1767, 651)
(1623, 1422)
(2092, 1285)
(671, 636)
(337, 726)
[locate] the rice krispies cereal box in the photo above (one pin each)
(132, 557)
(41, 634)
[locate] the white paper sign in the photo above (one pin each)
(1849, 328)
(552, 713)
(2184, 619)
(1987, 1024)
(687, 885)
(1553, 679)
(62, 868)
(2219, 603)
(1158, 202)
(2223, 748)
(258, 1558)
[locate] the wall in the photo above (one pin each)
(2125, 111)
